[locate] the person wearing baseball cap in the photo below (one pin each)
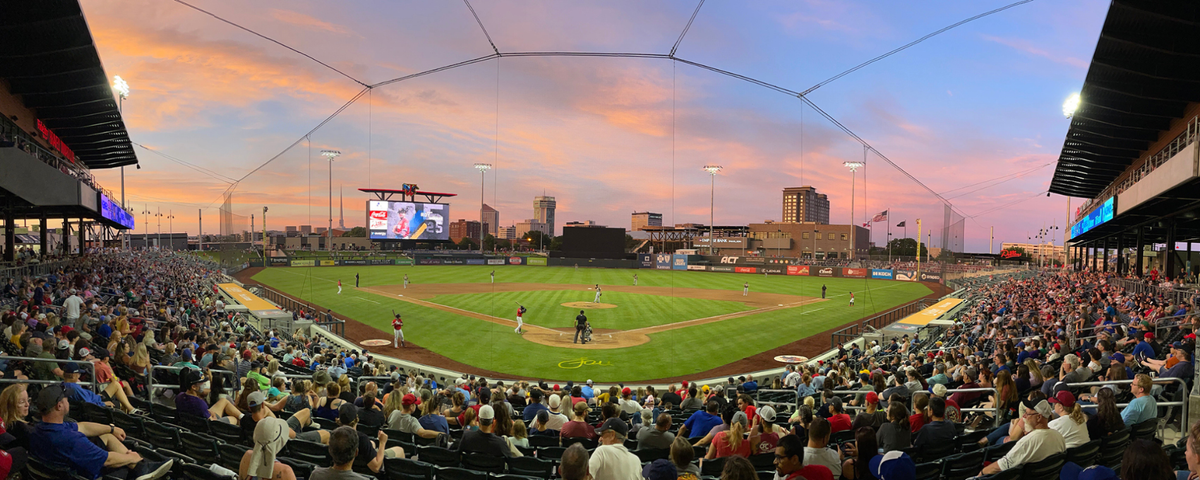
(77, 446)
(611, 460)
(1177, 365)
(403, 420)
(557, 419)
(261, 410)
(872, 416)
(893, 465)
(190, 400)
(1071, 422)
(1036, 439)
(483, 440)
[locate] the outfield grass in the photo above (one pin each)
(633, 310)
(668, 354)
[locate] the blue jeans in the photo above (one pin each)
(998, 435)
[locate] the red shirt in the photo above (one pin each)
(816, 472)
(916, 421)
(724, 449)
(839, 423)
(397, 324)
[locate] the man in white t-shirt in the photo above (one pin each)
(1039, 441)
(72, 305)
(557, 420)
(611, 460)
(816, 453)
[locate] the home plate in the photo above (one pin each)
(781, 304)
(375, 343)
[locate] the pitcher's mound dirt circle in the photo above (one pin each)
(588, 305)
(375, 342)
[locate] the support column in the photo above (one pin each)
(66, 236)
(82, 236)
(42, 237)
(1169, 270)
(10, 232)
(1140, 247)
(1094, 256)
(1104, 253)
(1121, 263)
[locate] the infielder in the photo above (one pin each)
(406, 280)
(520, 312)
(355, 280)
(339, 286)
(493, 276)
(822, 291)
(635, 279)
(745, 289)
(597, 299)
(398, 333)
(851, 299)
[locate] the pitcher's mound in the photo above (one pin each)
(587, 305)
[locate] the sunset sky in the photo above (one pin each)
(605, 136)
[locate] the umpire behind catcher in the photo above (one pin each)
(580, 324)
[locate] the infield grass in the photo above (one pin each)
(671, 353)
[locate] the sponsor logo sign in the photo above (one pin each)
(771, 270)
(723, 242)
(755, 260)
(931, 277)
(328, 263)
(429, 261)
(388, 261)
(1010, 254)
(716, 268)
(646, 260)
(854, 272)
(495, 261)
(880, 273)
(662, 261)
(697, 267)
(745, 269)
(353, 262)
(476, 261)
(729, 260)
(679, 262)
(797, 270)
(279, 261)
(535, 261)
(582, 362)
(453, 261)
(516, 260)
(303, 263)
(905, 275)
(825, 272)
(378, 220)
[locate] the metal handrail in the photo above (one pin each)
(90, 366)
(151, 386)
(1182, 384)
(992, 390)
(795, 405)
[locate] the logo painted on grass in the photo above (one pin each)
(582, 362)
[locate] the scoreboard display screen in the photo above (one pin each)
(407, 220)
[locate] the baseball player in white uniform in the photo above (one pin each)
(406, 280)
(398, 332)
(597, 299)
(493, 276)
(745, 289)
(339, 286)
(851, 299)
(635, 279)
(520, 312)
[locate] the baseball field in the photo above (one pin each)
(673, 323)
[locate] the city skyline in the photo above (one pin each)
(608, 136)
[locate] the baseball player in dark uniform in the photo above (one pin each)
(822, 291)
(580, 325)
(355, 280)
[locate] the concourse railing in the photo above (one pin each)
(152, 386)
(87, 366)
(1183, 405)
(996, 410)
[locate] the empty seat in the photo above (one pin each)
(97, 414)
(201, 447)
(483, 463)
(134, 425)
(651, 454)
(963, 465)
(231, 455)
(41, 471)
(438, 456)
(553, 453)
(1046, 469)
(1084, 455)
(1145, 430)
(226, 432)
(530, 466)
(301, 468)
(543, 441)
(163, 436)
(711, 467)
(928, 471)
(588, 443)
(453, 473)
(763, 461)
(1112, 448)
(311, 452)
(406, 469)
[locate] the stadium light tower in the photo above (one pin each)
(483, 168)
(1071, 105)
(712, 191)
(146, 223)
(171, 228)
(159, 215)
(122, 90)
(330, 154)
(853, 166)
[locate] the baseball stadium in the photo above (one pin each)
(474, 241)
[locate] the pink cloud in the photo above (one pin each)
(1029, 48)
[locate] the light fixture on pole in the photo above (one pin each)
(159, 215)
(853, 166)
(171, 228)
(146, 237)
(712, 191)
(1071, 104)
(121, 88)
(266, 261)
(330, 154)
(483, 168)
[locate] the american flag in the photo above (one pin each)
(882, 216)
(867, 225)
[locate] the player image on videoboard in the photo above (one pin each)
(408, 221)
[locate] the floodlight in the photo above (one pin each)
(1071, 105)
(120, 86)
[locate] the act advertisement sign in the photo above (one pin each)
(797, 270)
(854, 272)
(881, 273)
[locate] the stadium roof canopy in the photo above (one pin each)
(1145, 71)
(49, 59)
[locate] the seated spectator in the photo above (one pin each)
(727, 413)
(191, 400)
(871, 416)
(953, 411)
(1036, 439)
(817, 453)
(895, 434)
(1071, 422)
(87, 449)
(1182, 368)
(578, 426)
(344, 443)
(1145, 459)
(370, 452)
(269, 439)
(967, 399)
(483, 440)
(701, 422)
(112, 396)
(938, 432)
(574, 464)
(535, 405)
(768, 432)
(1143, 407)
(403, 420)
(372, 412)
(611, 460)
(1107, 418)
(920, 414)
(656, 436)
(839, 420)
(731, 442)
(432, 418)
(692, 402)
(860, 453)
(539, 426)
(258, 411)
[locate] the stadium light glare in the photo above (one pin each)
(1070, 105)
(120, 87)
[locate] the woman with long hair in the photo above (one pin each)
(141, 360)
(431, 415)
(896, 434)
(1146, 460)
(858, 466)
(14, 405)
(344, 382)
(1071, 421)
(731, 442)
(918, 418)
(249, 385)
(456, 408)
(393, 403)
(1107, 418)
(1035, 373)
(503, 423)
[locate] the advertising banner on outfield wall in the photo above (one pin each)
(516, 260)
(476, 261)
(905, 275)
(495, 261)
(303, 263)
(699, 268)
(279, 261)
(797, 270)
(646, 260)
(328, 263)
(429, 261)
(352, 262)
(679, 262)
(718, 268)
(828, 272)
(662, 261)
(745, 269)
(772, 270)
(880, 273)
(541, 261)
(931, 277)
(854, 272)
(398, 261)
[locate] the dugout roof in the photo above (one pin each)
(1145, 71)
(48, 58)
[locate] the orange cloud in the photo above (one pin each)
(301, 20)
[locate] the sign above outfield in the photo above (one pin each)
(721, 242)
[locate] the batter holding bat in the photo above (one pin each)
(398, 332)
(520, 312)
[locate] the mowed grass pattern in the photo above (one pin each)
(633, 310)
(671, 353)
